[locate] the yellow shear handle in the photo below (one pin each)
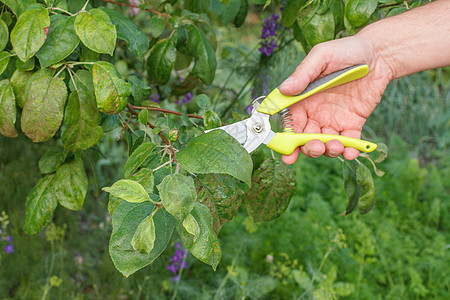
(276, 101)
(286, 142)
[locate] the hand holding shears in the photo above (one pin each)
(256, 130)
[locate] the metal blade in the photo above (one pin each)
(237, 130)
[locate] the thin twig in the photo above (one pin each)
(169, 112)
(134, 112)
(135, 6)
(123, 129)
(166, 111)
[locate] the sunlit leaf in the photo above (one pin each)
(358, 12)
(7, 110)
(96, 31)
(43, 110)
(178, 195)
(30, 32)
(128, 190)
(217, 152)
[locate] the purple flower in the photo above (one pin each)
(155, 98)
(249, 109)
(133, 10)
(178, 260)
(10, 239)
(186, 99)
(9, 248)
(176, 278)
(269, 34)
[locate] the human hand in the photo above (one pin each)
(339, 110)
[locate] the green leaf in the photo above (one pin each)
(197, 6)
(191, 226)
(71, 184)
(137, 158)
(143, 117)
(358, 12)
(4, 60)
(40, 205)
(290, 11)
(30, 32)
(112, 203)
(96, 31)
(350, 186)
(223, 196)
(125, 221)
(319, 29)
(61, 41)
(382, 150)
(217, 152)
(128, 190)
(178, 195)
(226, 11)
(82, 119)
(206, 247)
(19, 80)
(140, 91)
(43, 110)
(145, 178)
(273, 185)
(203, 101)
(156, 26)
(239, 19)
(161, 61)
(52, 158)
(26, 65)
(366, 189)
(111, 91)
(18, 6)
(7, 110)
(4, 34)
(144, 238)
(127, 30)
(211, 120)
(204, 56)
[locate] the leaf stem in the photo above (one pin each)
(134, 112)
(166, 111)
(163, 165)
(61, 10)
(123, 129)
(135, 6)
(84, 7)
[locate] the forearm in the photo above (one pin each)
(413, 41)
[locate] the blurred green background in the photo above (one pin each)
(400, 250)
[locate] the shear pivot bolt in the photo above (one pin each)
(258, 127)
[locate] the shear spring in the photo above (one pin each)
(286, 120)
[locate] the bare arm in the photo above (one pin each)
(394, 47)
(413, 41)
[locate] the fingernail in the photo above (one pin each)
(287, 82)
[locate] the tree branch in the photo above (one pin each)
(135, 6)
(134, 112)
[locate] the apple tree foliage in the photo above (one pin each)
(61, 82)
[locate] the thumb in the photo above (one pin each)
(308, 70)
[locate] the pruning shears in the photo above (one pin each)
(256, 129)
